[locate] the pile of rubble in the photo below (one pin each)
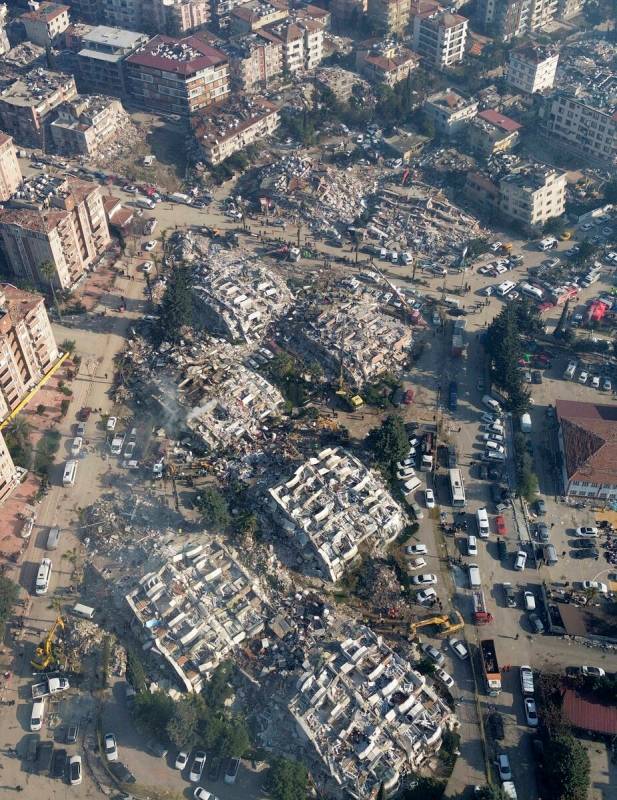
(84, 637)
(128, 138)
(378, 583)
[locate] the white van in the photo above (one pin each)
(70, 473)
(80, 610)
(412, 485)
(505, 288)
(43, 576)
(38, 714)
(475, 581)
(52, 539)
(491, 403)
(547, 244)
(482, 522)
(145, 202)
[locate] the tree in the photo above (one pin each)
(563, 319)
(17, 439)
(586, 250)
(566, 767)
(389, 442)
(287, 779)
(153, 711)
(491, 792)
(177, 306)
(610, 191)
(9, 592)
(235, 740)
(218, 689)
(48, 270)
(68, 346)
(182, 728)
(213, 507)
(135, 673)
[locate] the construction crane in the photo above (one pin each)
(45, 651)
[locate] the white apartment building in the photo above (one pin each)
(46, 23)
(438, 35)
(572, 119)
(302, 42)
(86, 124)
(450, 111)
(532, 69)
(10, 172)
(541, 12)
(533, 196)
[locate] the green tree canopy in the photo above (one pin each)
(177, 306)
(9, 592)
(610, 191)
(213, 507)
(182, 727)
(135, 673)
(389, 442)
(154, 710)
(566, 767)
(287, 780)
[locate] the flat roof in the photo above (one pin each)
(118, 37)
(100, 55)
(500, 120)
(184, 56)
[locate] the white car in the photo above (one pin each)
(181, 760)
(459, 648)
(416, 549)
(594, 672)
(425, 579)
(111, 748)
(197, 767)
(429, 498)
(444, 677)
(531, 712)
(147, 267)
(76, 446)
(495, 427)
(75, 776)
(498, 448)
(488, 418)
(520, 560)
(149, 246)
(607, 385)
(595, 382)
(111, 423)
(491, 437)
(587, 530)
(203, 794)
(407, 462)
(416, 563)
(503, 765)
(488, 291)
(597, 586)
(425, 595)
(582, 378)
(406, 474)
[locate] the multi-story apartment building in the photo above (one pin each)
(85, 124)
(123, 14)
(566, 9)
(100, 60)
(389, 16)
(533, 196)
(254, 60)
(492, 132)
(341, 82)
(177, 75)
(437, 35)
(5, 45)
(25, 105)
(10, 172)
(46, 23)
(71, 233)
(345, 12)
(385, 62)
(255, 14)
(450, 111)
(9, 475)
(532, 69)
(509, 19)
(301, 41)
(185, 16)
(225, 130)
(541, 12)
(572, 119)
(27, 345)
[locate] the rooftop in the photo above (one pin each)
(46, 12)
(499, 120)
(183, 56)
(230, 118)
(116, 38)
(450, 100)
(590, 441)
(587, 713)
(35, 88)
(533, 53)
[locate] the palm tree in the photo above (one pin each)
(48, 270)
(68, 346)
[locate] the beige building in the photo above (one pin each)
(450, 111)
(255, 14)
(254, 60)
(177, 76)
(10, 172)
(46, 23)
(27, 345)
(26, 103)
(533, 196)
(9, 476)
(301, 41)
(575, 121)
(437, 35)
(389, 16)
(101, 58)
(221, 132)
(71, 233)
(185, 16)
(86, 124)
(385, 62)
(492, 132)
(339, 81)
(541, 12)
(532, 69)
(346, 12)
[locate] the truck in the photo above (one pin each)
(50, 686)
(490, 667)
(526, 680)
(481, 616)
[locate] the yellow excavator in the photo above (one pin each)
(352, 401)
(446, 624)
(45, 651)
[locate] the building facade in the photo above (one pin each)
(26, 104)
(389, 16)
(491, 132)
(254, 60)
(86, 124)
(450, 111)
(177, 76)
(251, 16)
(71, 235)
(533, 196)
(100, 60)
(532, 69)
(10, 172)
(573, 120)
(46, 24)
(9, 476)
(385, 62)
(340, 82)
(27, 345)
(301, 41)
(186, 16)
(437, 35)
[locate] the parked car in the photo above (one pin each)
(443, 676)
(596, 586)
(426, 579)
(75, 776)
(540, 507)
(181, 760)
(520, 560)
(432, 653)
(417, 511)
(459, 648)
(111, 747)
(587, 530)
(582, 378)
(594, 672)
(425, 595)
(536, 623)
(416, 549)
(496, 726)
(231, 773)
(58, 763)
(503, 766)
(203, 794)
(416, 563)
(111, 424)
(543, 532)
(149, 246)
(197, 767)
(429, 498)
(531, 712)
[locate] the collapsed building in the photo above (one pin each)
(369, 715)
(239, 298)
(198, 607)
(356, 337)
(332, 504)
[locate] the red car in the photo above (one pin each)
(500, 525)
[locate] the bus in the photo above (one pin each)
(70, 472)
(457, 489)
(531, 291)
(43, 576)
